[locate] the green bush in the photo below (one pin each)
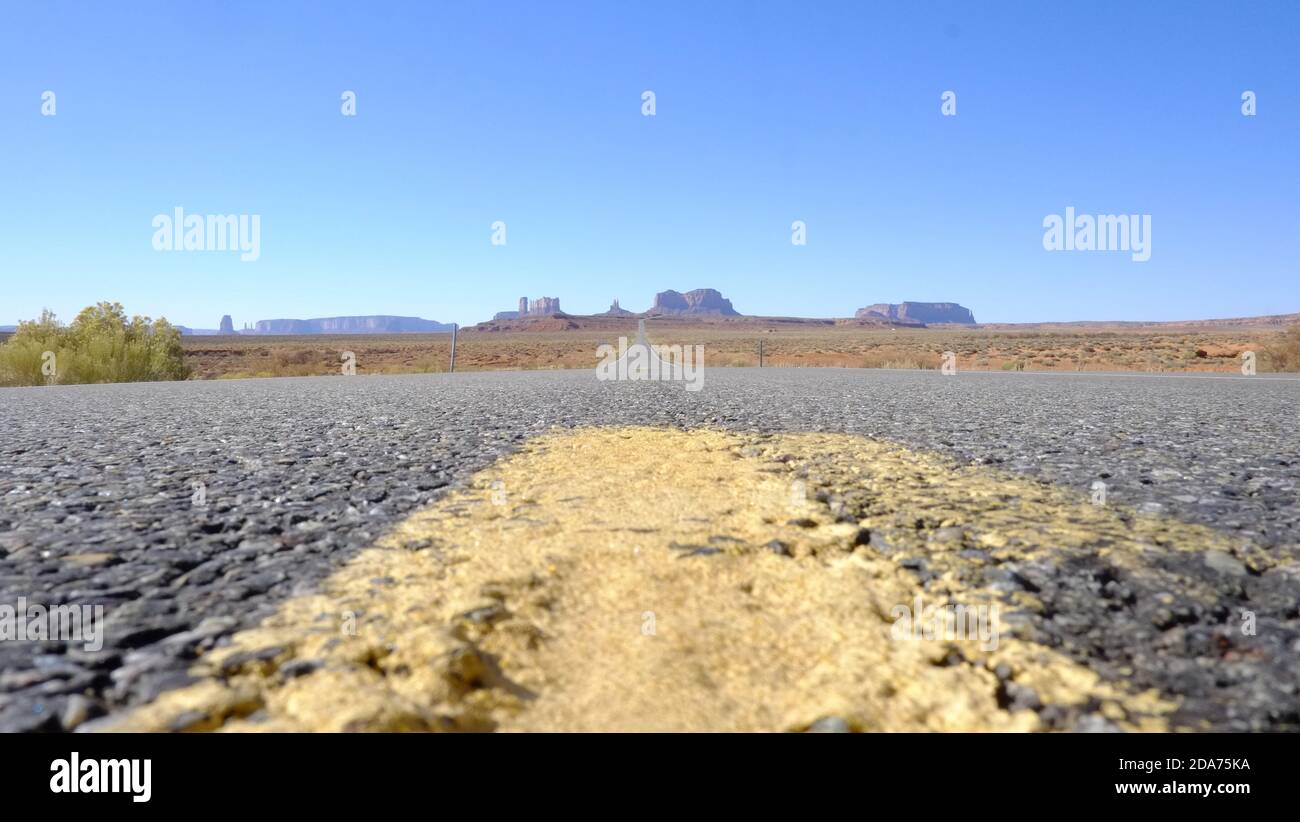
(101, 345)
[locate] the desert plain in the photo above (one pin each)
(564, 342)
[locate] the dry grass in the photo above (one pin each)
(1283, 354)
(845, 346)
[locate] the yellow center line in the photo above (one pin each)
(650, 579)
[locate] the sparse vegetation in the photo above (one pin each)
(1284, 353)
(100, 345)
(736, 344)
(103, 346)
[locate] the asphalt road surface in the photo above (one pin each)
(192, 510)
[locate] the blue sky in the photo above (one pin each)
(530, 113)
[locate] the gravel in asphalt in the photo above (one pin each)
(190, 510)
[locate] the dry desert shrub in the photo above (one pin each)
(1284, 354)
(101, 345)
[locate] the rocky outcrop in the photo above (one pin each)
(615, 310)
(917, 312)
(699, 301)
(555, 322)
(374, 324)
(540, 307)
(227, 325)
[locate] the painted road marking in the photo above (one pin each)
(650, 579)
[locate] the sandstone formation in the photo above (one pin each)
(699, 301)
(540, 307)
(227, 325)
(374, 324)
(917, 312)
(615, 310)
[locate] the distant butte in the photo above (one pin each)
(699, 301)
(909, 312)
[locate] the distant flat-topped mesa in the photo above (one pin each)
(917, 312)
(374, 324)
(699, 301)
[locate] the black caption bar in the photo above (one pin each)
(143, 773)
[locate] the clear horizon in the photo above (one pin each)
(239, 324)
(764, 115)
